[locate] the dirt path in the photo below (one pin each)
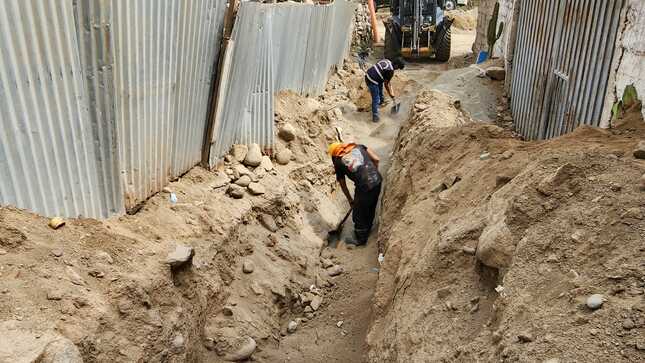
(338, 331)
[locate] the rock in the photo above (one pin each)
(180, 256)
(595, 301)
(507, 154)
(20, 343)
(266, 163)
(469, 250)
(497, 336)
(457, 104)
(74, 277)
(220, 181)
(56, 223)
(309, 315)
(421, 106)
(260, 172)
(167, 190)
(178, 342)
(287, 132)
(57, 252)
(240, 170)
(593, 332)
(239, 152)
(496, 73)
(326, 263)
(3, 252)
(256, 189)
(340, 323)
(236, 191)
(475, 308)
(227, 310)
(292, 327)
(633, 213)
(628, 324)
(316, 302)
(335, 270)
(105, 257)
(253, 156)
(257, 289)
(639, 152)
(308, 309)
(243, 352)
(484, 156)
(243, 181)
(228, 158)
(283, 157)
(525, 337)
(268, 222)
(248, 267)
(444, 292)
(55, 295)
(496, 245)
(61, 351)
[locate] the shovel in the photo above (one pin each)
(334, 236)
(395, 109)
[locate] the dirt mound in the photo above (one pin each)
(493, 246)
(464, 19)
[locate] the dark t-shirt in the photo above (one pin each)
(358, 167)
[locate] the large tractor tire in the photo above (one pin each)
(392, 47)
(443, 44)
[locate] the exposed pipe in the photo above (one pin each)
(370, 5)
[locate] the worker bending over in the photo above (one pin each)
(360, 165)
(376, 77)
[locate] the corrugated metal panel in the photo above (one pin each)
(284, 46)
(164, 55)
(563, 54)
(47, 149)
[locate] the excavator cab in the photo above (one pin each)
(418, 29)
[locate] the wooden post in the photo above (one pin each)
(372, 8)
(229, 21)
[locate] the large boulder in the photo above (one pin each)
(239, 152)
(287, 132)
(22, 344)
(496, 73)
(283, 157)
(254, 156)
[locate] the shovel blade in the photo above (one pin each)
(395, 109)
(333, 237)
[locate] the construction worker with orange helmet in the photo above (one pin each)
(360, 165)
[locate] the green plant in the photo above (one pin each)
(629, 101)
(493, 33)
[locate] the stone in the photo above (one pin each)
(253, 156)
(484, 156)
(283, 157)
(105, 257)
(240, 170)
(167, 190)
(525, 337)
(633, 213)
(20, 343)
(257, 289)
(496, 73)
(628, 324)
(60, 351)
(502, 180)
(227, 310)
(256, 189)
(178, 342)
(639, 152)
(243, 352)
(292, 327)
(326, 263)
(266, 163)
(309, 315)
(243, 181)
(57, 252)
(507, 154)
(56, 223)
(469, 250)
(340, 323)
(221, 180)
(3, 252)
(496, 245)
(308, 309)
(287, 132)
(248, 267)
(74, 277)
(228, 158)
(260, 172)
(268, 222)
(595, 301)
(180, 256)
(239, 152)
(335, 270)
(444, 292)
(236, 191)
(55, 295)
(316, 302)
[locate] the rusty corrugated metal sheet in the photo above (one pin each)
(285, 46)
(164, 55)
(562, 64)
(49, 157)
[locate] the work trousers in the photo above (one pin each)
(365, 203)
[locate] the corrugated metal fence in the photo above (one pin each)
(101, 99)
(562, 64)
(284, 46)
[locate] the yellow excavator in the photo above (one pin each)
(418, 29)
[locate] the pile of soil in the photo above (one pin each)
(494, 245)
(464, 19)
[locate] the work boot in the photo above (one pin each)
(376, 118)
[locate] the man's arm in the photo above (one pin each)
(373, 156)
(343, 187)
(389, 89)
